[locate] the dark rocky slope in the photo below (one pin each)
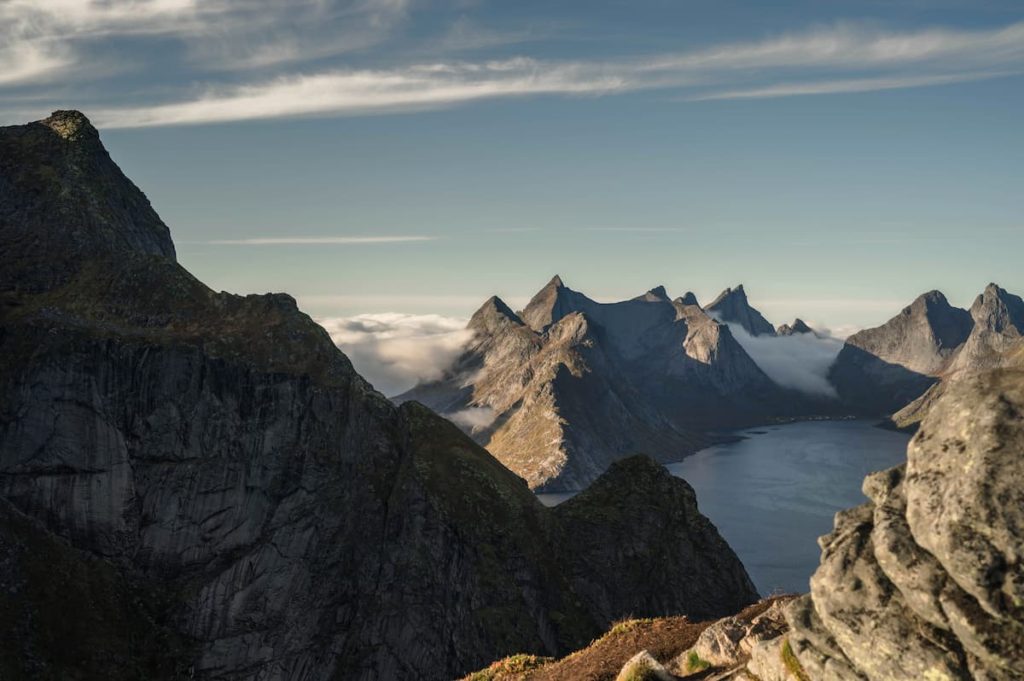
(299, 525)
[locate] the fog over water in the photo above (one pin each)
(774, 493)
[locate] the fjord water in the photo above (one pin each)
(773, 493)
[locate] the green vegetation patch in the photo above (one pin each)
(695, 663)
(792, 664)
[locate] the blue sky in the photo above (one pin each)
(838, 158)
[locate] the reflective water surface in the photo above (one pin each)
(774, 493)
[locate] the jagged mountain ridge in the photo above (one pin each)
(574, 384)
(902, 365)
(299, 524)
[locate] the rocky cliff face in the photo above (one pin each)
(573, 384)
(299, 525)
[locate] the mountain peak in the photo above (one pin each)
(71, 125)
(61, 187)
(655, 295)
(492, 314)
(998, 310)
(798, 326)
(550, 304)
(731, 306)
(688, 299)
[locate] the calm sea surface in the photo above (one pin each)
(774, 493)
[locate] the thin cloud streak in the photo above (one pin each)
(849, 86)
(938, 56)
(346, 240)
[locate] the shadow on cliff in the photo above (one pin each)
(870, 386)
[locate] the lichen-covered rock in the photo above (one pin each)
(925, 581)
(719, 644)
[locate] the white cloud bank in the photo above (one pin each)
(394, 351)
(800, 361)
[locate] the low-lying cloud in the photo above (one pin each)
(473, 418)
(395, 351)
(800, 361)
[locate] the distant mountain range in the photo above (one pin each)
(566, 386)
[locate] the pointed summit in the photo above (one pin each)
(71, 125)
(82, 205)
(493, 315)
(731, 306)
(797, 327)
(550, 304)
(656, 294)
(688, 299)
(998, 310)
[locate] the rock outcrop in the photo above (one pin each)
(925, 580)
(571, 385)
(298, 525)
(731, 306)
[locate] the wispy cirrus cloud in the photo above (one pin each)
(318, 240)
(847, 85)
(45, 40)
(258, 60)
(768, 68)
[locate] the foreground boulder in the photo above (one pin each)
(199, 485)
(925, 581)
